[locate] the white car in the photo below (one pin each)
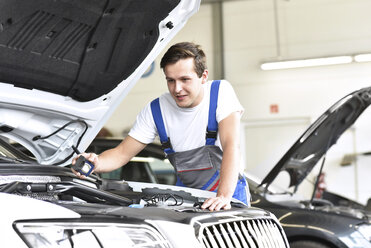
(64, 67)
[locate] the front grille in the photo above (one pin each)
(252, 233)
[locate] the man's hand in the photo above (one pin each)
(113, 158)
(92, 157)
(217, 203)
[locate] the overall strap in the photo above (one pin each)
(212, 125)
(157, 117)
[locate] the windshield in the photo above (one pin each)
(8, 152)
(5, 153)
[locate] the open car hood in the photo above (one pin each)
(66, 65)
(319, 137)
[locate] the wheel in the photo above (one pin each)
(307, 244)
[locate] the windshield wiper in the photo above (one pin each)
(13, 160)
(81, 191)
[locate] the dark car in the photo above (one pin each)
(64, 67)
(314, 222)
(150, 165)
(326, 222)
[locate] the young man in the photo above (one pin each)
(192, 109)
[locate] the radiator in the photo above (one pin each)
(252, 233)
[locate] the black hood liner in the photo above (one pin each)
(319, 137)
(77, 48)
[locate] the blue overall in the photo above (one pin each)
(200, 167)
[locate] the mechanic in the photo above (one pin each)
(198, 122)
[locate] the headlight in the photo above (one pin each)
(365, 230)
(89, 235)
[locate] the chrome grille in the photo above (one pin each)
(252, 233)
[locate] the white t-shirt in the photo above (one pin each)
(186, 127)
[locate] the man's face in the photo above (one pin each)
(183, 83)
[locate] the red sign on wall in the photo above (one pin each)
(274, 108)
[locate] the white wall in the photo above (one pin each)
(306, 28)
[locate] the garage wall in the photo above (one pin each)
(279, 104)
(304, 29)
(307, 29)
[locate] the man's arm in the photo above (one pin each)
(229, 134)
(113, 158)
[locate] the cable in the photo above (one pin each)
(38, 137)
(154, 200)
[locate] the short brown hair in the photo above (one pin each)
(184, 50)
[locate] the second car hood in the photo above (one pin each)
(319, 137)
(66, 65)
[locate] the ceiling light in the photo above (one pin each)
(306, 62)
(362, 57)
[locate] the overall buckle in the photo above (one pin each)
(166, 144)
(211, 134)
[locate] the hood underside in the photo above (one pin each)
(81, 49)
(319, 137)
(66, 65)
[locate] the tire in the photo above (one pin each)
(307, 244)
